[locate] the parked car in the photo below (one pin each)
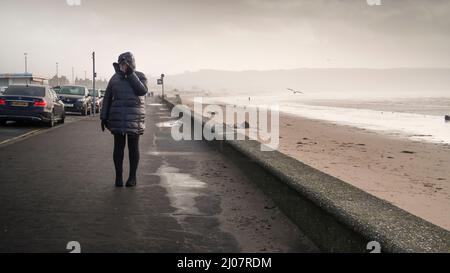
(31, 103)
(98, 100)
(56, 88)
(76, 98)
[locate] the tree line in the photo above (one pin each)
(63, 80)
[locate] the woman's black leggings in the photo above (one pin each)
(133, 151)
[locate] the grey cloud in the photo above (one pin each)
(229, 34)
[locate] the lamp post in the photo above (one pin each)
(26, 62)
(160, 81)
(94, 75)
(57, 74)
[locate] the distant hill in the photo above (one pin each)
(404, 80)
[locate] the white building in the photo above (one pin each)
(8, 79)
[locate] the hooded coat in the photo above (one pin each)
(124, 102)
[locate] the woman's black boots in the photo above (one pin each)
(131, 182)
(133, 151)
(119, 181)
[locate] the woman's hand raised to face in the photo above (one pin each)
(123, 67)
(126, 68)
(129, 68)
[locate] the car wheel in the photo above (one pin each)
(51, 122)
(63, 118)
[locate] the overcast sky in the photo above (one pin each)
(187, 35)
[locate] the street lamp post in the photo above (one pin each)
(57, 74)
(160, 81)
(94, 75)
(26, 62)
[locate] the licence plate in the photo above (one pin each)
(19, 103)
(68, 105)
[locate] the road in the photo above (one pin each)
(14, 131)
(57, 186)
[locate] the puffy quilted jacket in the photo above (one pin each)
(124, 102)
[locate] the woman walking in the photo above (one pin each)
(123, 114)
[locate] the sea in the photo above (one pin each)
(418, 117)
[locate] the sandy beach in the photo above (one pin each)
(412, 175)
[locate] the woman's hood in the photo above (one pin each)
(128, 57)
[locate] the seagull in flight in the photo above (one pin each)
(294, 91)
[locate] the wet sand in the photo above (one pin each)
(412, 175)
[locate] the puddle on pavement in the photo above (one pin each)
(168, 124)
(182, 189)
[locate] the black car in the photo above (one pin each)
(31, 103)
(76, 98)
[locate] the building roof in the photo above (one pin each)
(27, 85)
(20, 76)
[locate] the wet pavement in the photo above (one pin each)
(58, 186)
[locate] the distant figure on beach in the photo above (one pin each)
(123, 114)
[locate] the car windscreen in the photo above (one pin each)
(71, 90)
(91, 92)
(33, 91)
